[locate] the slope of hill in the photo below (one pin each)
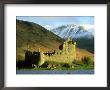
(82, 53)
(32, 36)
(85, 43)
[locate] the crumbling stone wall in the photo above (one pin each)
(65, 54)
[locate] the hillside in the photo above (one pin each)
(85, 43)
(31, 36)
(82, 53)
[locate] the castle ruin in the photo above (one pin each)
(65, 54)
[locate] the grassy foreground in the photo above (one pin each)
(86, 64)
(76, 67)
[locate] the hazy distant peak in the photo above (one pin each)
(48, 27)
(74, 31)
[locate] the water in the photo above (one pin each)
(55, 72)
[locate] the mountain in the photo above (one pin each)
(85, 43)
(82, 34)
(74, 31)
(32, 36)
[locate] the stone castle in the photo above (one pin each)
(65, 54)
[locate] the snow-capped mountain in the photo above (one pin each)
(74, 31)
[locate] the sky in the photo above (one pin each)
(55, 21)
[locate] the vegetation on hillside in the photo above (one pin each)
(32, 36)
(85, 43)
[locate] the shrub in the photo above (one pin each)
(87, 60)
(20, 64)
(77, 62)
(45, 65)
(66, 65)
(19, 57)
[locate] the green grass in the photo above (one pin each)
(75, 68)
(61, 66)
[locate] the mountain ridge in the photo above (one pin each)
(73, 31)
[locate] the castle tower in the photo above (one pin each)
(69, 39)
(42, 59)
(69, 48)
(65, 47)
